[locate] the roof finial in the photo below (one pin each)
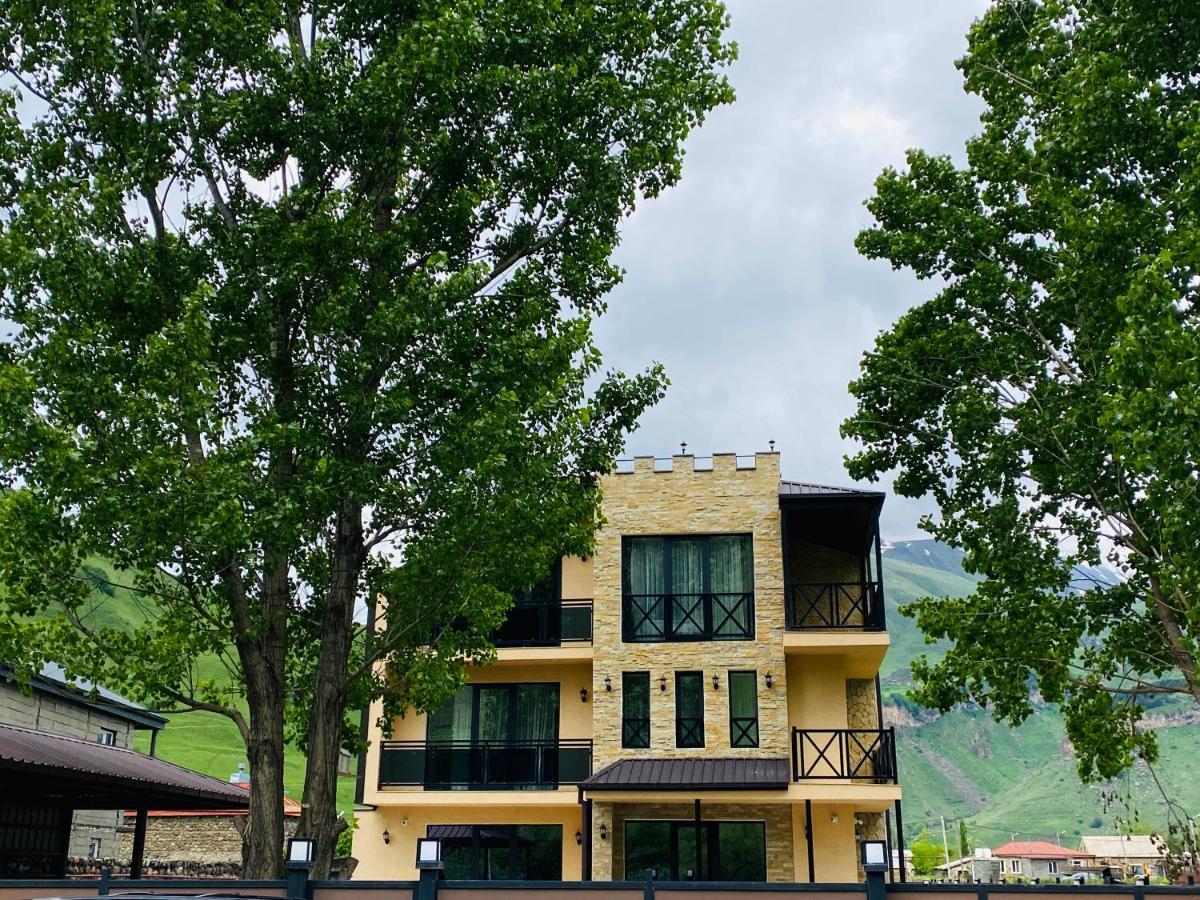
(683, 448)
(772, 443)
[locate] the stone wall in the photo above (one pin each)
(608, 856)
(862, 710)
(869, 826)
(725, 500)
(194, 838)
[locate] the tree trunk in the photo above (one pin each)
(262, 844)
(318, 819)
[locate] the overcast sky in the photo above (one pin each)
(743, 279)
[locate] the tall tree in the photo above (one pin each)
(1046, 396)
(302, 297)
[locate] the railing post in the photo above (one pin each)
(648, 890)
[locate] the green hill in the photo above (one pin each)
(1004, 780)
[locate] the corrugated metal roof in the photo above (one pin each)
(1141, 846)
(38, 763)
(708, 773)
(809, 489)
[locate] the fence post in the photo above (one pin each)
(102, 887)
(648, 890)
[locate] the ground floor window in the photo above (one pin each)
(500, 852)
(728, 851)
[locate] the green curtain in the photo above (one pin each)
(743, 705)
(646, 582)
(452, 722)
(731, 573)
(687, 584)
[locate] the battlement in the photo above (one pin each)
(762, 463)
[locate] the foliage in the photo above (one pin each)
(964, 842)
(926, 854)
(302, 297)
(1046, 397)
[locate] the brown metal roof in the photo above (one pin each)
(809, 489)
(43, 768)
(702, 774)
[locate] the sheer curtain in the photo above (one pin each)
(646, 582)
(687, 584)
(731, 572)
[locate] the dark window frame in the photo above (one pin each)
(634, 726)
(715, 610)
(475, 845)
(711, 829)
(740, 726)
(692, 727)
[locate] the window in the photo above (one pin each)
(1077, 863)
(500, 852)
(724, 851)
(743, 709)
(498, 735)
(1052, 867)
(94, 848)
(107, 737)
(635, 705)
(1014, 865)
(689, 709)
(693, 588)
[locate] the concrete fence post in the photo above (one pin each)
(102, 887)
(648, 890)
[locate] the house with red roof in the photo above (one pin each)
(1043, 860)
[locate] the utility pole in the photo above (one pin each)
(945, 845)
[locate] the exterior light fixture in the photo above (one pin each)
(583, 695)
(716, 682)
(874, 856)
(429, 853)
(579, 838)
(662, 682)
(300, 851)
(387, 837)
(603, 832)
(607, 683)
(769, 679)
(833, 820)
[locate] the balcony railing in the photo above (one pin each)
(834, 604)
(546, 624)
(484, 765)
(859, 754)
(652, 618)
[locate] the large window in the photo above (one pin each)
(635, 709)
(689, 709)
(500, 852)
(688, 588)
(727, 851)
(494, 734)
(743, 709)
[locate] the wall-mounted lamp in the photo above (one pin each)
(607, 683)
(583, 695)
(603, 832)
(662, 682)
(716, 682)
(387, 837)
(579, 838)
(769, 679)
(833, 820)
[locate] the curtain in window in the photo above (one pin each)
(689, 709)
(687, 585)
(453, 721)
(743, 709)
(646, 585)
(537, 712)
(635, 699)
(731, 574)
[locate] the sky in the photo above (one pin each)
(743, 280)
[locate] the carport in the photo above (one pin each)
(44, 778)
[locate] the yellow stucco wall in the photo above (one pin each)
(834, 848)
(577, 578)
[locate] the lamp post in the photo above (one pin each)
(429, 864)
(875, 863)
(298, 865)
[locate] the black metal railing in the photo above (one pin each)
(652, 618)
(546, 624)
(485, 765)
(743, 731)
(689, 731)
(834, 604)
(862, 754)
(635, 731)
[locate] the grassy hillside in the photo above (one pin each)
(1003, 780)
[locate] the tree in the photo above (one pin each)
(1046, 395)
(302, 297)
(964, 842)
(927, 853)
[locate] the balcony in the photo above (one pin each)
(484, 765)
(812, 605)
(546, 623)
(656, 618)
(856, 754)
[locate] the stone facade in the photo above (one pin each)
(862, 709)
(194, 837)
(725, 500)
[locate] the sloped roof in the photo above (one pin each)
(1037, 850)
(692, 773)
(1139, 846)
(53, 679)
(49, 768)
(810, 489)
(291, 809)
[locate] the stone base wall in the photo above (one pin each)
(151, 868)
(205, 839)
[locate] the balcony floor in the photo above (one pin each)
(562, 655)
(864, 650)
(567, 795)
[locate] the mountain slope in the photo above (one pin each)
(1005, 780)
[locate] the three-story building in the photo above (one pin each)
(699, 698)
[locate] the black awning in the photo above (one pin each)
(52, 770)
(692, 774)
